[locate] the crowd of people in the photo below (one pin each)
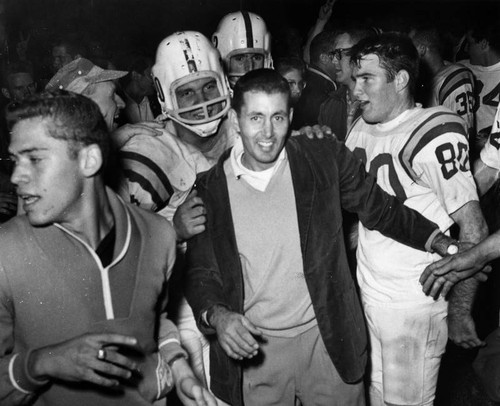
(234, 229)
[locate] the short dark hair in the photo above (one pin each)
(286, 64)
(395, 51)
(429, 36)
(259, 80)
(321, 44)
(488, 30)
(74, 118)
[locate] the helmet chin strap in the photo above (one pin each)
(201, 130)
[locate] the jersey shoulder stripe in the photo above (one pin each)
(352, 126)
(138, 161)
(460, 77)
(159, 201)
(436, 122)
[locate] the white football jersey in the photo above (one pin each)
(490, 154)
(453, 87)
(159, 172)
(421, 157)
(487, 89)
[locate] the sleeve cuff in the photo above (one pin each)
(20, 376)
(171, 349)
(428, 244)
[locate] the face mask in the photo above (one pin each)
(202, 130)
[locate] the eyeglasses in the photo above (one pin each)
(339, 52)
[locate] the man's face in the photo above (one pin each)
(342, 61)
(378, 98)
(109, 102)
(196, 92)
(60, 57)
(474, 49)
(263, 122)
(146, 82)
(47, 178)
(21, 85)
(240, 64)
(296, 82)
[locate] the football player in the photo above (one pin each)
(421, 156)
(244, 44)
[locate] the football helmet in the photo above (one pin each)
(242, 32)
(181, 58)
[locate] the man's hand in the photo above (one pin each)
(325, 12)
(123, 134)
(462, 331)
(440, 276)
(316, 131)
(189, 389)
(235, 333)
(189, 218)
(76, 360)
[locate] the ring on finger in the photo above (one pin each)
(101, 354)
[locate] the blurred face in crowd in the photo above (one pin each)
(378, 97)
(296, 82)
(60, 57)
(20, 85)
(196, 92)
(145, 82)
(46, 174)
(110, 104)
(343, 69)
(263, 124)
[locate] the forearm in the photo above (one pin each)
(16, 386)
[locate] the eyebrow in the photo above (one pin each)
(28, 151)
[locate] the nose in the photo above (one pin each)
(357, 89)
(267, 128)
(119, 102)
(19, 175)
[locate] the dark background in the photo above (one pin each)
(142, 24)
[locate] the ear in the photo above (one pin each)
(233, 117)
(90, 160)
(401, 80)
(484, 44)
(422, 50)
(290, 115)
(5, 92)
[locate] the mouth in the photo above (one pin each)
(362, 103)
(265, 145)
(28, 200)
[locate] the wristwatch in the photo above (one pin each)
(452, 248)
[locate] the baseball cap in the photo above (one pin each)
(77, 75)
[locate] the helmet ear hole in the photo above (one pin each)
(159, 90)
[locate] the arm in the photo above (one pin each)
(460, 324)
(485, 176)
(325, 12)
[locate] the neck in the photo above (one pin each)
(402, 106)
(95, 219)
(435, 64)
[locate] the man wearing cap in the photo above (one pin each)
(83, 77)
(83, 275)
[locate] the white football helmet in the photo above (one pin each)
(181, 58)
(239, 33)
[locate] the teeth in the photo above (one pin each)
(265, 143)
(28, 199)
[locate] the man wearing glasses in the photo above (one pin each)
(340, 108)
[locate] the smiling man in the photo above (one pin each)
(83, 275)
(269, 278)
(420, 156)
